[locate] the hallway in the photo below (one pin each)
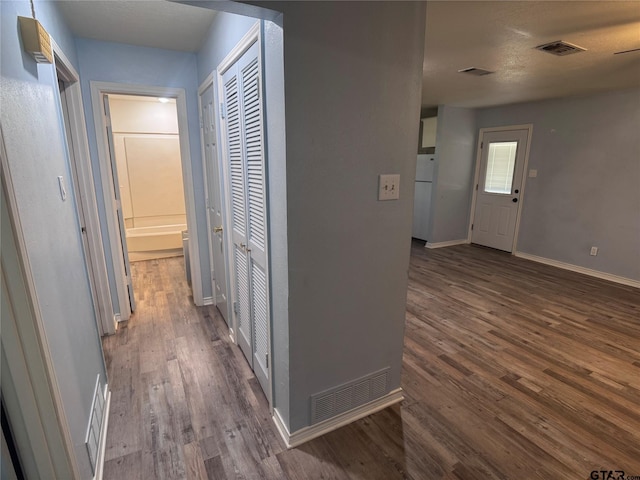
(512, 369)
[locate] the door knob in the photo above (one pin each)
(515, 200)
(217, 229)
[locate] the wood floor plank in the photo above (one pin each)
(511, 369)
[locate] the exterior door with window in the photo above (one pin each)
(242, 113)
(498, 189)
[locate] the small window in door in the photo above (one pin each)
(501, 162)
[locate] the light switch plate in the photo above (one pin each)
(389, 187)
(63, 189)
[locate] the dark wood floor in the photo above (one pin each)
(512, 370)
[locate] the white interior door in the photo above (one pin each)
(244, 155)
(215, 218)
(128, 281)
(499, 185)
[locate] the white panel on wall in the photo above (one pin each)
(155, 176)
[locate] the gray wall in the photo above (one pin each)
(352, 103)
(35, 145)
(119, 63)
(587, 154)
(456, 140)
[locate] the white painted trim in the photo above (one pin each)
(97, 90)
(242, 46)
(448, 243)
(529, 128)
(309, 433)
(103, 436)
(40, 398)
(205, 84)
(576, 268)
(208, 301)
(80, 157)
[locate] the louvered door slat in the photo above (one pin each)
(234, 145)
(252, 119)
(260, 318)
(243, 312)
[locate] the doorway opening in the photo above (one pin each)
(149, 168)
(147, 171)
(145, 166)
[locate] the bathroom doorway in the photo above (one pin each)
(136, 125)
(147, 172)
(146, 145)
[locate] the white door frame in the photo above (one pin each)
(209, 81)
(98, 89)
(79, 157)
(529, 128)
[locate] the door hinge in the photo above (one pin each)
(481, 144)
(267, 360)
(223, 110)
(235, 307)
(201, 123)
(83, 229)
(472, 226)
(476, 186)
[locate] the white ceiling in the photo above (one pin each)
(501, 35)
(147, 23)
(494, 35)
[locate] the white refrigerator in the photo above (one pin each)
(422, 196)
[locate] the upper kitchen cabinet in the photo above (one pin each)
(427, 140)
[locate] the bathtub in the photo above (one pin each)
(150, 239)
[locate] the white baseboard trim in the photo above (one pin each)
(103, 438)
(309, 433)
(207, 301)
(575, 268)
(448, 243)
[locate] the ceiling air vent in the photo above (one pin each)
(560, 48)
(478, 72)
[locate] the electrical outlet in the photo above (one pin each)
(594, 251)
(389, 187)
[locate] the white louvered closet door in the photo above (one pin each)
(246, 179)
